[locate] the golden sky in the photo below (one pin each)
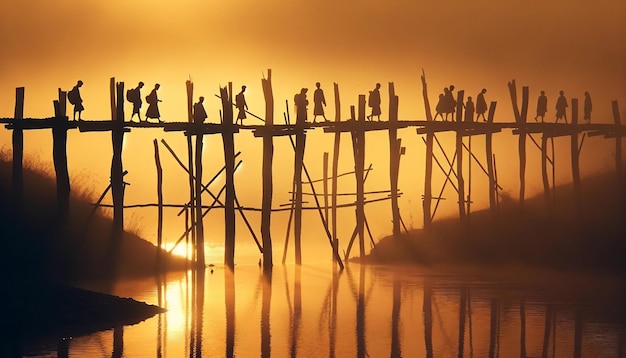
(571, 45)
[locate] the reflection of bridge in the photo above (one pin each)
(357, 126)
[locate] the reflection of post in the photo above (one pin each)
(266, 338)
(268, 155)
(332, 331)
(395, 319)
(493, 329)
(462, 313)
(578, 332)
(297, 312)
(199, 282)
(18, 151)
(522, 317)
(427, 309)
(118, 342)
(546, 331)
(360, 315)
(229, 289)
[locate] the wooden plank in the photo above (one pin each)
(268, 155)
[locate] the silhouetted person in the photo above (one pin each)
(153, 104)
(542, 106)
(301, 103)
(240, 103)
(318, 103)
(561, 105)
(74, 97)
(469, 110)
(587, 108)
(199, 114)
(449, 102)
(133, 96)
(481, 105)
(441, 105)
(374, 102)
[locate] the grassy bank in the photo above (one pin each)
(35, 246)
(592, 239)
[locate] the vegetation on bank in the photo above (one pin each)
(592, 239)
(36, 247)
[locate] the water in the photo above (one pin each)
(366, 312)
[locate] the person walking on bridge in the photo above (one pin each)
(153, 104)
(561, 106)
(242, 106)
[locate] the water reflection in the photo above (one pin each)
(302, 312)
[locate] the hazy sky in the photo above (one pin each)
(552, 45)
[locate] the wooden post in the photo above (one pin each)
(489, 156)
(199, 224)
(359, 166)
(618, 144)
(335, 173)
(297, 177)
(59, 155)
(575, 156)
(117, 180)
(520, 119)
(325, 187)
(190, 219)
(159, 171)
(459, 154)
(268, 157)
(544, 171)
(229, 163)
(18, 151)
(428, 170)
(394, 159)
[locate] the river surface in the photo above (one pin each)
(365, 311)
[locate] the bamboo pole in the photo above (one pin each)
(428, 170)
(575, 157)
(544, 170)
(489, 155)
(159, 171)
(268, 154)
(17, 174)
(335, 169)
(117, 180)
(59, 155)
(459, 157)
(394, 159)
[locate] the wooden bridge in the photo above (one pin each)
(356, 125)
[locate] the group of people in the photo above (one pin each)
(561, 107)
(133, 96)
(447, 105)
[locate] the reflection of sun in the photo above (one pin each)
(212, 254)
(175, 294)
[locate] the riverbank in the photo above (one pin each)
(589, 240)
